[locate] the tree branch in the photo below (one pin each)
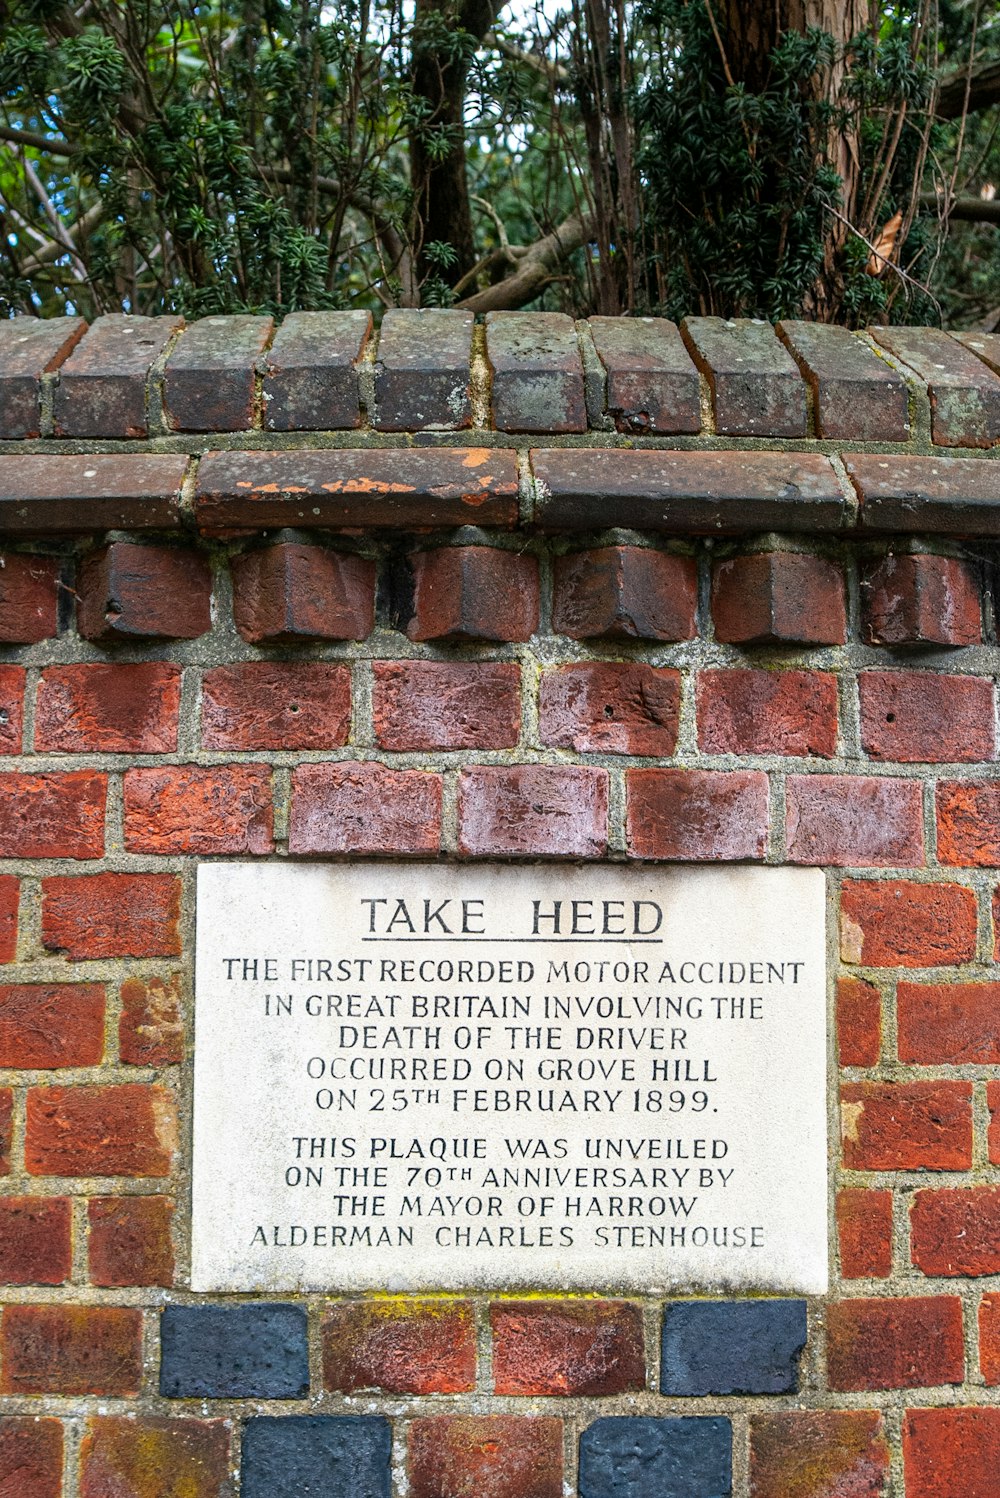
(53, 146)
(555, 72)
(982, 85)
(973, 210)
(535, 269)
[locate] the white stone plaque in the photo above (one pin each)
(437, 1076)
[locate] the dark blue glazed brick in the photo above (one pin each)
(316, 1456)
(645, 1457)
(234, 1352)
(732, 1346)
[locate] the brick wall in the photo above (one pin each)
(604, 591)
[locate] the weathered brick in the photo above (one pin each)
(295, 592)
(29, 348)
(108, 709)
(968, 823)
(475, 593)
(35, 1244)
(128, 590)
(993, 1136)
(894, 923)
(964, 394)
(550, 810)
(234, 1352)
(956, 1232)
(336, 489)
(112, 915)
(492, 1456)
(921, 600)
(364, 808)
(652, 382)
(208, 382)
(10, 899)
(71, 1350)
(128, 1242)
(102, 385)
(52, 815)
(854, 821)
(422, 370)
(864, 1231)
(276, 705)
(402, 1346)
(12, 680)
(901, 494)
(626, 592)
(694, 814)
(125, 1130)
(922, 717)
(856, 395)
(446, 704)
(895, 1344)
(611, 708)
(654, 1457)
(702, 493)
(779, 598)
(31, 1457)
(577, 1348)
(951, 1453)
(732, 1347)
(989, 1340)
(6, 1128)
(767, 712)
(819, 1454)
(136, 1458)
(949, 1024)
(151, 1025)
(906, 1125)
(49, 1025)
(537, 370)
(343, 1454)
(29, 608)
(67, 494)
(757, 390)
(859, 1022)
(199, 809)
(311, 372)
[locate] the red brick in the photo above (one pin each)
(949, 1024)
(112, 915)
(779, 597)
(537, 380)
(137, 590)
(907, 1125)
(611, 708)
(996, 924)
(294, 591)
(474, 593)
(29, 594)
(108, 709)
(422, 372)
(151, 1026)
(993, 1137)
(35, 1240)
(491, 1456)
(894, 923)
(209, 379)
(6, 1128)
(123, 1457)
(552, 810)
(919, 717)
(693, 814)
(951, 1453)
(127, 1130)
(651, 379)
(968, 823)
(558, 1347)
(10, 898)
(757, 389)
(11, 708)
(767, 712)
(47, 1025)
(626, 592)
(29, 348)
(854, 821)
(311, 372)
(895, 1344)
(129, 1241)
(956, 1232)
(964, 393)
(196, 809)
(71, 1350)
(819, 1454)
(989, 1339)
(447, 704)
(102, 385)
(921, 600)
(364, 808)
(276, 705)
(31, 1457)
(857, 396)
(406, 1346)
(859, 1022)
(52, 815)
(864, 1229)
